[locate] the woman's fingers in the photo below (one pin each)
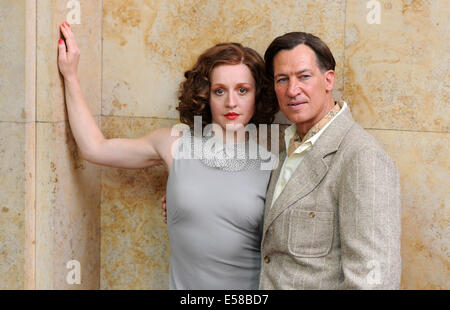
(72, 46)
(164, 214)
(65, 31)
(62, 50)
(163, 200)
(69, 53)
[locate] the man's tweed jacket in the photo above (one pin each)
(336, 224)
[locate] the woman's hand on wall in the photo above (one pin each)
(164, 214)
(69, 53)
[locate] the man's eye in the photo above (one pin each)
(242, 90)
(304, 76)
(281, 80)
(219, 91)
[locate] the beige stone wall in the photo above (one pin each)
(49, 197)
(17, 143)
(397, 84)
(147, 46)
(394, 75)
(134, 240)
(55, 207)
(67, 187)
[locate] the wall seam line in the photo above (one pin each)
(101, 169)
(407, 130)
(150, 117)
(35, 143)
(343, 66)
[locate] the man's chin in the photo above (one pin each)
(297, 118)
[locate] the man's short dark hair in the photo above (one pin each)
(324, 57)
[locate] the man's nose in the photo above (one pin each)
(293, 88)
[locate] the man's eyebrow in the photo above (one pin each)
(303, 71)
(296, 73)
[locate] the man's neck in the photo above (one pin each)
(303, 128)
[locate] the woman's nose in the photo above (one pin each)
(231, 101)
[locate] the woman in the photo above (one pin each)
(214, 205)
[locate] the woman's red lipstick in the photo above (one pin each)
(231, 115)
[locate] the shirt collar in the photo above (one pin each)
(314, 133)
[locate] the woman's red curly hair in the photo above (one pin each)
(194, 91)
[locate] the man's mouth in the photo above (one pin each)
(296, 105)
(231, 115)
(293, 104)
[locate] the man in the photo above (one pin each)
(332, 213)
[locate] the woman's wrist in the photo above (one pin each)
(70, 78)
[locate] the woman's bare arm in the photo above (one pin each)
(121, 153)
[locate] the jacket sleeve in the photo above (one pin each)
(370, 221)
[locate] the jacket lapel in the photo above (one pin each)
(310, 172)
(273, 182)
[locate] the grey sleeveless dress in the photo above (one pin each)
(215, 222)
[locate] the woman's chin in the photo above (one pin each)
(235, 127)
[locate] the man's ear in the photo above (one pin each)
(329, 80)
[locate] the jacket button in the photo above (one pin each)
(312, 214)
(267, 259)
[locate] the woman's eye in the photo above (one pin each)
(242, 90)
(219, 91)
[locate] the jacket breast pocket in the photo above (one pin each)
(310, 232)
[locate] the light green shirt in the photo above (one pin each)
(291, 163)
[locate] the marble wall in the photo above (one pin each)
(134, 241)
(67, 187)
(55, 207)
(17, 143)
(147, 46)
(397, 83)
(49, 197)
(394, 75)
